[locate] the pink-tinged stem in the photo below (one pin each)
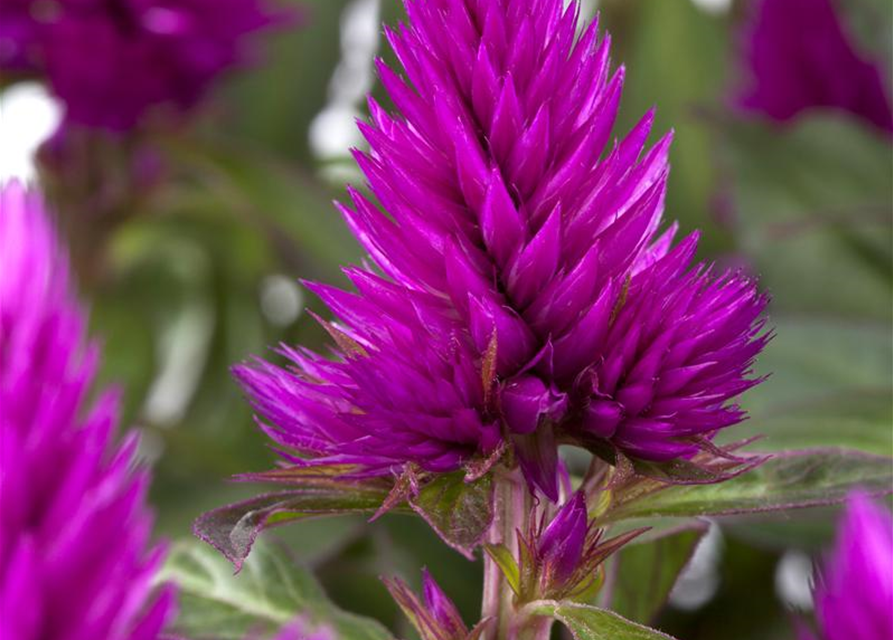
(512, 510)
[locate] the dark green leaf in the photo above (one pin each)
(271, 591)
(459, 511)
(789, 480)
(644, 572)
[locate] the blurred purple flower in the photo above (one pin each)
(854, 588)
(112, 61)
(73, 520)
(800, 57)
(530, 297)
(301, 629)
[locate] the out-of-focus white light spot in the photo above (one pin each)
(182, 353)
(151, 447)
(793, 580)
(280, 300)
(28, 116)
(333, 131)
(714, 6)
(700, 581)
(359, 32)
(587, 7)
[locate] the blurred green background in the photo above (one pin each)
(203, 272)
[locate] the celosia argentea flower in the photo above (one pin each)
(112, 61)
(529, 296)
(75, 561)
(800, 57)
(854, 587)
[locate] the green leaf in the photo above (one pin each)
(787, 481)
(591, 623)
(271, 590)
(503, 557)
(460, 512)
(233, 529)
(840, 394)
(813, 213)
(644, 573)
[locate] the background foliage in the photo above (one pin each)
(204, 273)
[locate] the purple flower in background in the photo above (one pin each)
(301, 629)
(530, 297)
(74, 562)
(800, 57)
(112, 61)
(854, 588)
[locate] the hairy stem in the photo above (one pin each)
(513, 508)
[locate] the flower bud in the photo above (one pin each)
(435, 616)
(560, 546)
(442, 608)
(559, 560)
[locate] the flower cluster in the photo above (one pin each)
(111, 61)
(525, 294)
(74, 525)
(854, 589)
(800, 57)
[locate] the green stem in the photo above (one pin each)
(512, 510)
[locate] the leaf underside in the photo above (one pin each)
(271, 591)
(233, 529)
(790, 480)
(592, 623)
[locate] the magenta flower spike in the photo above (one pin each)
(799, 57)
(75, 562)
(112, 61)
(529, 296)
(854, 587)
